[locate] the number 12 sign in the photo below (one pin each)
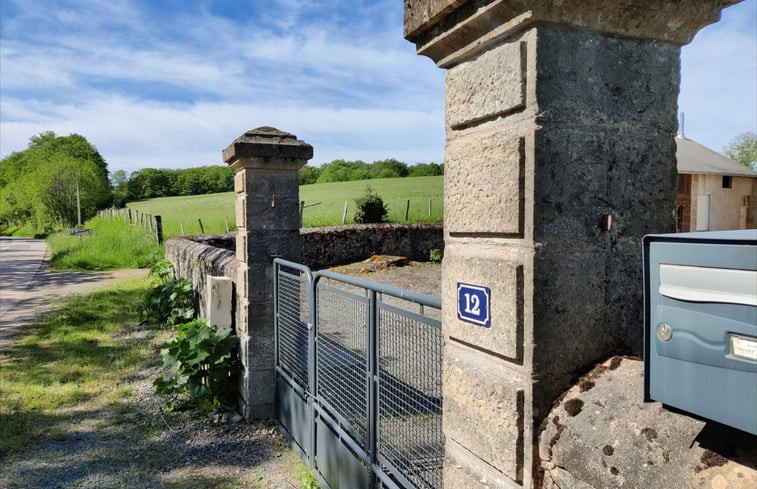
(473, 304)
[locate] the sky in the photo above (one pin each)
(170, 83)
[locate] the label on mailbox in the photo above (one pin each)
(473, 304)
(744, 347)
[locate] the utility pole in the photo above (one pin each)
(78, 203)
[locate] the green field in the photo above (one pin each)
(214, 209)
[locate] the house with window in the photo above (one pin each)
(714, 192)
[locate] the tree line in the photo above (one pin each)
(346, 171)
(149, 183)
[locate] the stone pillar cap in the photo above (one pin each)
(267, 142)
(445, 29)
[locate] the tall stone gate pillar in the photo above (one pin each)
(267, 163)
(560, 156)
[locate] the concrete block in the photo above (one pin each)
(239, 182)
(463, 469)
(484, 411)
(219, 290)
(492, 85)
(484, 184)
(240, 211)
(504, 338)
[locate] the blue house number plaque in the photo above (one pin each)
(473, 304)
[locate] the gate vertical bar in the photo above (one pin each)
(372, 382)
(312, 318)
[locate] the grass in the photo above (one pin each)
(25, 231)
(113, 244)
(74, 355)
(214, 209)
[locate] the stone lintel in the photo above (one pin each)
(267, 148)
(452, 31)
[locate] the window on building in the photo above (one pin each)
(727, 181)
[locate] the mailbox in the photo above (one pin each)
(700, 324)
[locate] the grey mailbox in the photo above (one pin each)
(700, 324)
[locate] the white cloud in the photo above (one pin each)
(152, 93)
(719, 78)
(132, 134)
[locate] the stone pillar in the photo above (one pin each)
(267, 163)
(560, 156)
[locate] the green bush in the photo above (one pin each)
(370, 208)
(169, 303)
(201, 362)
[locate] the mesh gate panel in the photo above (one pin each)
(410, 395)
(341, 371)
(293, 332)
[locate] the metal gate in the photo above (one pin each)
(358, 379)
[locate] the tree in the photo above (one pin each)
(309, 174)
(743, 149)
(38, 185)
(119, 182)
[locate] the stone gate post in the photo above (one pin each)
(267, 163)
(560, 156)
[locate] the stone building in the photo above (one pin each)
(714, 192)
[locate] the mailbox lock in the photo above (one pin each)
(664, 331)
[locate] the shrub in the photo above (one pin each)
(169, 303)
(201, 361)
(370, 208)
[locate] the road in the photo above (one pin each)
(28, 286)
(20, 261)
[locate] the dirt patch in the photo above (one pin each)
(416, 276)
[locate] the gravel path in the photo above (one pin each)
(133, 443)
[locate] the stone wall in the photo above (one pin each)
(197, 257)
(338, 245)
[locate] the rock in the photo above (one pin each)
(731, 475)
(614, 439)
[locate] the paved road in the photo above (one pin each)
(20, 260)
(28, 286)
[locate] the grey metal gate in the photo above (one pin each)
(358, 379)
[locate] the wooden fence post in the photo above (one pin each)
(159, 229)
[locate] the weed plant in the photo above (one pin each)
(201, 366)
(75, 354)
(113, 244)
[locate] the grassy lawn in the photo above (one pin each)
(113, 244)
(76, 354)
(213, 209)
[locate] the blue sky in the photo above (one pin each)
(170, 83)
